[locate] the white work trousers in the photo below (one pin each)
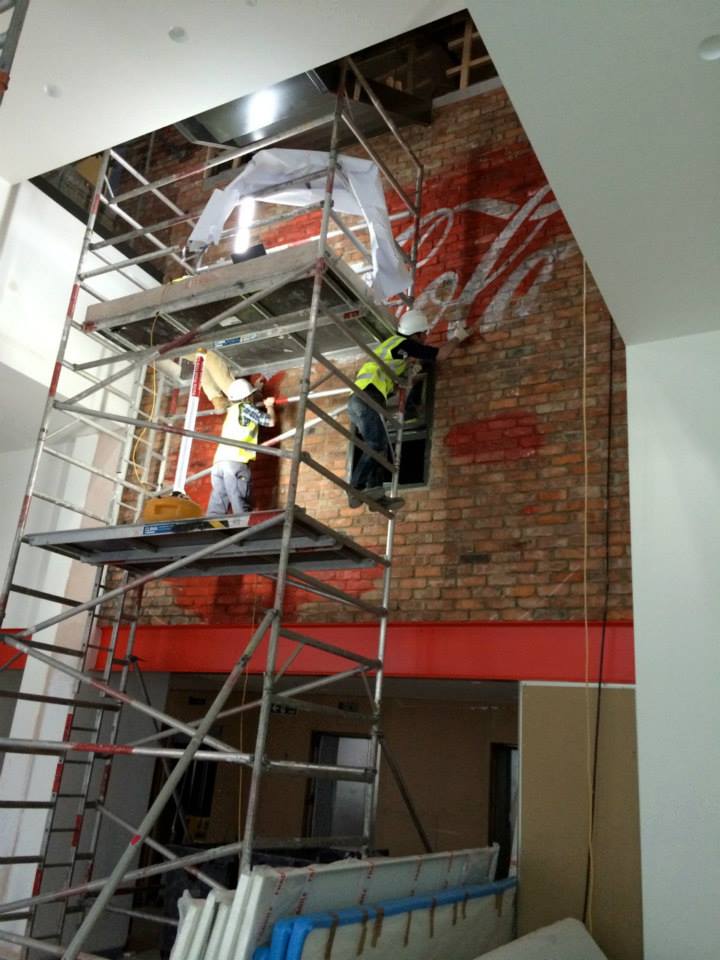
(231, 483)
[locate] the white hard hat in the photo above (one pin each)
(414, 321)
(240, 389)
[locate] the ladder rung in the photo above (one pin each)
(63, 701)
(321, 771)
(8, 861)
(68, 863)
(78, 763)
(351, 438)
(26, 804)
(303, 581)
(368, 401)
(84, 729)
(318, 467)
(89, 805)
(50, 647)
(66, 505)
(323, 708)
(330, 648)
(41, 595)
(17, 916)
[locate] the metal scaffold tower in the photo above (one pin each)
(9, 37)
(301, 305)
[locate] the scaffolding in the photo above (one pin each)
(9, 38)
(303, 302)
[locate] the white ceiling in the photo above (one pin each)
(619, 107)
(119, 75)
(624, 118)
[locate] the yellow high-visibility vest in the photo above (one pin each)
(372, 373)
(233, 429)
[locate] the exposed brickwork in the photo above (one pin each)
(507, 470)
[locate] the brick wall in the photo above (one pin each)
(498, 532)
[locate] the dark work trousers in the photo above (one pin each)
(369, 424)
(230, 487)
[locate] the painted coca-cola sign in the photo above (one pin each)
(490, 238)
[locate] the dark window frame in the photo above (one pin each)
(414, 431)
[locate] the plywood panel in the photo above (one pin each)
(555, 802)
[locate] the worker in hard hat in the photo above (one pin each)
(397, 352)
(231, 477)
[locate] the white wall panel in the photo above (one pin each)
(674, 424)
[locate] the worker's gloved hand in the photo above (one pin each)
(269, 401)
(220, 404)
(458, 331)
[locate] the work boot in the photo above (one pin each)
(354, 502)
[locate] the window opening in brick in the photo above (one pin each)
(417, 434)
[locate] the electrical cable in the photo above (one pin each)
(586, 619)
(606, 597)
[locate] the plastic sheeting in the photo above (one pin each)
(457, 924)
(357, 190)
(566, 940)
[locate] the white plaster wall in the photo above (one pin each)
(674, 428)
(39, 248)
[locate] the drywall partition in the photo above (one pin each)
(268, 894)
(455, 923)
(556, 721)
(565, 940)
(674, 408)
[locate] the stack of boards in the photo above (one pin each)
(427, 906)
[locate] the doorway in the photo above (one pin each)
(504, 773)
(336, 807)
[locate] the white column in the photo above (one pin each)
(674, 426)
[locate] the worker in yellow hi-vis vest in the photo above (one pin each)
(396, 352)
(231, 477)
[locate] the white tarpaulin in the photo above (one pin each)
(358, 191)
(566, 940)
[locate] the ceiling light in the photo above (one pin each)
(709, 49)
(52, 90)
(262, 109)
(178, 34)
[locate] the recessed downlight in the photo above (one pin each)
(178, 34)
(52, 90)
(709, 49)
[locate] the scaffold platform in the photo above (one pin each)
(139, 548)
(266, 301)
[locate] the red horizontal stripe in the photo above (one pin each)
(467, 650)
